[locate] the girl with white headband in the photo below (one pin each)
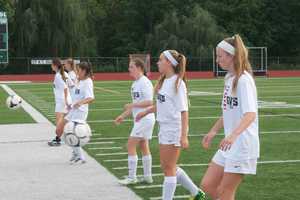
(172, 115)
(239, 150)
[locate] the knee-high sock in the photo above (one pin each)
(132, 166)
(186, 181)
(78, 152)
(169, 187)
(147, 165)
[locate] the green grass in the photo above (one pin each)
(12, 116)
(273, 181)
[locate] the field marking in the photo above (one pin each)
(104, 148)
(112, 154)
(175, 197)
(203, 93)
(194, 118)
(150, 186)
(199, 135)
(206, 164)
(108, 142)
(34, 113)
(107, 90)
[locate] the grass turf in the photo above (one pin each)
(12, 116)
(279, 126)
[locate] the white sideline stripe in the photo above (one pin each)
(109, 142)
(9, 82)
(193, 118)
(103, 148)
(36, 115)
(175, 197)
(150, 186)
(196, 135)
(107, 90)
(206, 164)
(111, 154)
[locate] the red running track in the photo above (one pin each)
(125, 76)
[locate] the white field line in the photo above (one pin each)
(150, 186)
(108, 142)
(36, 115)
(198, 135)
(194, 118)
(175, 197)
(104, 148)
(107, 90)
(206, 164)
(111, 154)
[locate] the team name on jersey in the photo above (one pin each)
(229, 101)
(77, 91)
(161, 98)
(136, 95)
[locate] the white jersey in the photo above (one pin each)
(71, 82)
(234, 107)
(142, 90)
(169, 103)
(83, 89)
(59, 85)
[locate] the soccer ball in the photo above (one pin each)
(76, 134)
(13, 102)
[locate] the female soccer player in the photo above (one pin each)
(62, 98)
(239, 150)
(172, 115)
(72, 72)
(142, 98)
(83, 96)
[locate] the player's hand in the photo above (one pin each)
(184, 142)
(227, 142)
(128, 106)
(119, 120)
(140, 115)
(77, 105)
(206, 141)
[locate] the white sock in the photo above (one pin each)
(169, 187)
(78, 152)
(186, 181)
(147, 165)
(132, 166)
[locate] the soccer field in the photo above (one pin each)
(279, 118)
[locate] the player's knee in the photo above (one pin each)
(207, 186)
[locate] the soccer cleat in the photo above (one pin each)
(128, 181)
(199, 196)
(55, 142)
(145, 179)
(77, 161)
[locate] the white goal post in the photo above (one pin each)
(258, 57)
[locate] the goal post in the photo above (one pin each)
(258, 57)
(145, 58)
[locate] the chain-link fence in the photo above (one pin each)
(24, 65)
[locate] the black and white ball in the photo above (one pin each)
(77, 134)
(13, 102)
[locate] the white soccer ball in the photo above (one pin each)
(77, 134)
(13, 102)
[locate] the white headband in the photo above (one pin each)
(170, 58)
(226, 47)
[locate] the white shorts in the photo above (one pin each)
(233, 166)
(60, 107)
(143, 129)
(76, 115)
(169, 134)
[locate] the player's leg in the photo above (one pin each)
(169, 155)
(229, 185)
(59, 129)
(147, 161)
(184, 180)
(132, 161)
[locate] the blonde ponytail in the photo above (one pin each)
(241, 60)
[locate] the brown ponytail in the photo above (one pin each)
(86, 66)
(241, 60)
(60, 67)
(180, 70)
